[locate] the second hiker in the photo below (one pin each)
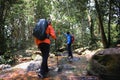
(69, 42)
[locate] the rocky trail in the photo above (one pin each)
(68, 70)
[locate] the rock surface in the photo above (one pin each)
(106, 64)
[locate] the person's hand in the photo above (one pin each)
(55, 39)
(63, 33)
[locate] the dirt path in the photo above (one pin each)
(75, 70)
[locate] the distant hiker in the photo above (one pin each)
(44, 46)
(69, 42)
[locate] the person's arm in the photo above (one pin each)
(36, 41)
(52, 32)
(64, 34)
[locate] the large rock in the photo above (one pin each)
(106, 64)
(32, 65)
(29, 66)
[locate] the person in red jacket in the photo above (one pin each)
(44, 47)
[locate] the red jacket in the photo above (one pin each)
(49, 31)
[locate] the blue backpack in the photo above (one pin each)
(40, 29)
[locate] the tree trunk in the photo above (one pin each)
(90, 21)
(109, 27)
(2, 37)
(104, 40)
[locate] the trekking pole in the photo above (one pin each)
(56, 52)
(57, 69)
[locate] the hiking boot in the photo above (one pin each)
(71, 59)
(41, 76)
(38, 70)
(68, 57)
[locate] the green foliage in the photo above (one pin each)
(41, 9)
(7, 58)
(20, 16)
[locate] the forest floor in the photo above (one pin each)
(67, 70)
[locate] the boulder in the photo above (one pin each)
(105, 64)
(28, 66)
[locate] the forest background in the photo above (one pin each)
(94, 23)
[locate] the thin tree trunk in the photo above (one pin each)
(2, 37)
(104, 40)
(109, 27)
(90, 21)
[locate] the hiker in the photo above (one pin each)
(44, 47)
(69, 42)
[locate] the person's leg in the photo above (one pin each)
(45, 54)
(70, 51)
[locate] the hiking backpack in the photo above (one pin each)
(72, 38)
(40, 29)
